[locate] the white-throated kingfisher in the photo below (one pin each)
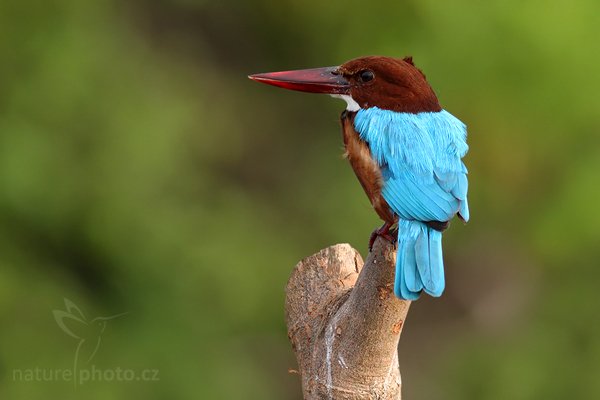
(406, 152)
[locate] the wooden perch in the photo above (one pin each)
(344, 323)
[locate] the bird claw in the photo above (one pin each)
(384, 232)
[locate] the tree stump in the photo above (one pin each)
(344, 323)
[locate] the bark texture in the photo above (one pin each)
(344, 323)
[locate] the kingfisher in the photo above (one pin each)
(406, 152)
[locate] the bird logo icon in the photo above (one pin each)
(88, 333)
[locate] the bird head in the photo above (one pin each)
(384, 82)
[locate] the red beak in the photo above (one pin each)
(314, 80)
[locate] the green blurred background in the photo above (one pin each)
(142, 172)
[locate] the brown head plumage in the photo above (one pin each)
(389, 83)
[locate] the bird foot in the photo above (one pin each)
(385, 232)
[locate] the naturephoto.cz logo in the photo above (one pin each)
(88, 337)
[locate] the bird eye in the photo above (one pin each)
(366, 75)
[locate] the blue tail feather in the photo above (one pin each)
(422, 255)
(436, 283)
(419, 263)
(411, 275)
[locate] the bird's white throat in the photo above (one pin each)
(352, 105)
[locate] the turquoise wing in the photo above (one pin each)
(433, 199)
(420, 157)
